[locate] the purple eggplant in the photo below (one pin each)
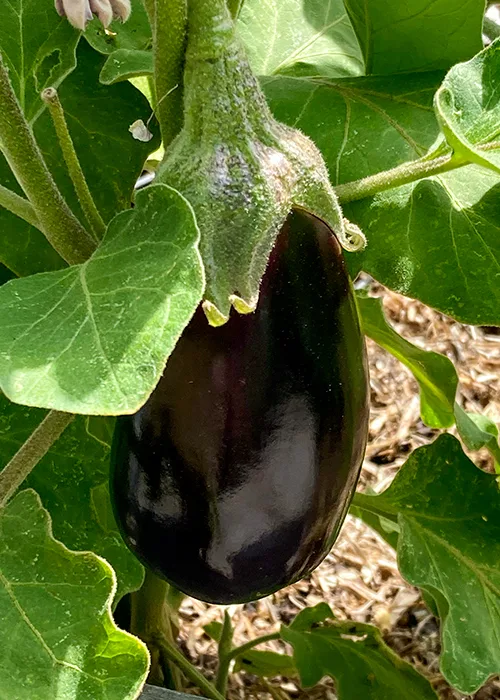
(233, 480)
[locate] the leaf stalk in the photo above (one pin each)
(60, 226)
(19, 206)
(31, 452)
(94, 219)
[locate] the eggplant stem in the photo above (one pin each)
(17, 142)
(31, 452)
(94, 219)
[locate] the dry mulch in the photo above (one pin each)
(359, 579)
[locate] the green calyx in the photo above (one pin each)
(242, 171)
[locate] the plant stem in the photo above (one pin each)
(31, 452)
(401, 175)
(18, 206)
(94, 219)
(60, 226)
(225, 647)
(240, 651)
(171, 652)
(169, 39)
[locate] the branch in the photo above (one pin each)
(18, 206)
(401, 175)
(60, 226)
(225, 648)
(169, 39)
(29, 454)
(94, 219)
(173, 654)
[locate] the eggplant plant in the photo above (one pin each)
(183, 380)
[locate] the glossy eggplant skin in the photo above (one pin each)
(233, 480)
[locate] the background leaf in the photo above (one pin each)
(355, 656)
(416, 35)
(94, 338)
(265, 664)
(449, 515)
(98, 118)
(468, 107)
(124, 64)
(72, 482)
(57, 636)
(38, 47)
(300, 38)
(436, 376)
(135, 33)
(438, 239)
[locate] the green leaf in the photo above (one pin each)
(38, 47)
(214, 630)
(478, 431)
(111, 159)
(468, 109)
(72, 481)
(309, 617)
(321, 41)
(355, 656)
(57, 634)
(265, 664)
(449, 515)
(124, 64)
(387, 528)
(435, 374)
(94, 338)
(135, 33)
(438, 239)
(418, 35)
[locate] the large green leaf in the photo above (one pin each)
(468, 108)
(435, 374)
(416, 35)
(94, 338)
(98, 119)
(355, 655)
(135, 33)
(436, 239)
(300, 38)
(72, 481)
(57, 638)
(38, 47)
(449, 516)
(124, 64)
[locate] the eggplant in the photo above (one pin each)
(233, 480)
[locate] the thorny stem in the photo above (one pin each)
(94, 219)
(169, 39)
(171, 652)
(401, 175)
(60, 226)
(18, 206)
(29, 454)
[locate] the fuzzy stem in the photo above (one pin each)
(18, 206)
(173, 654)
(169, 39)
(401, 175)
(94, 219)
(60, 226)
(31, 452)
(225, 647)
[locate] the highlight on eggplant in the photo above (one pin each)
(233, 480)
